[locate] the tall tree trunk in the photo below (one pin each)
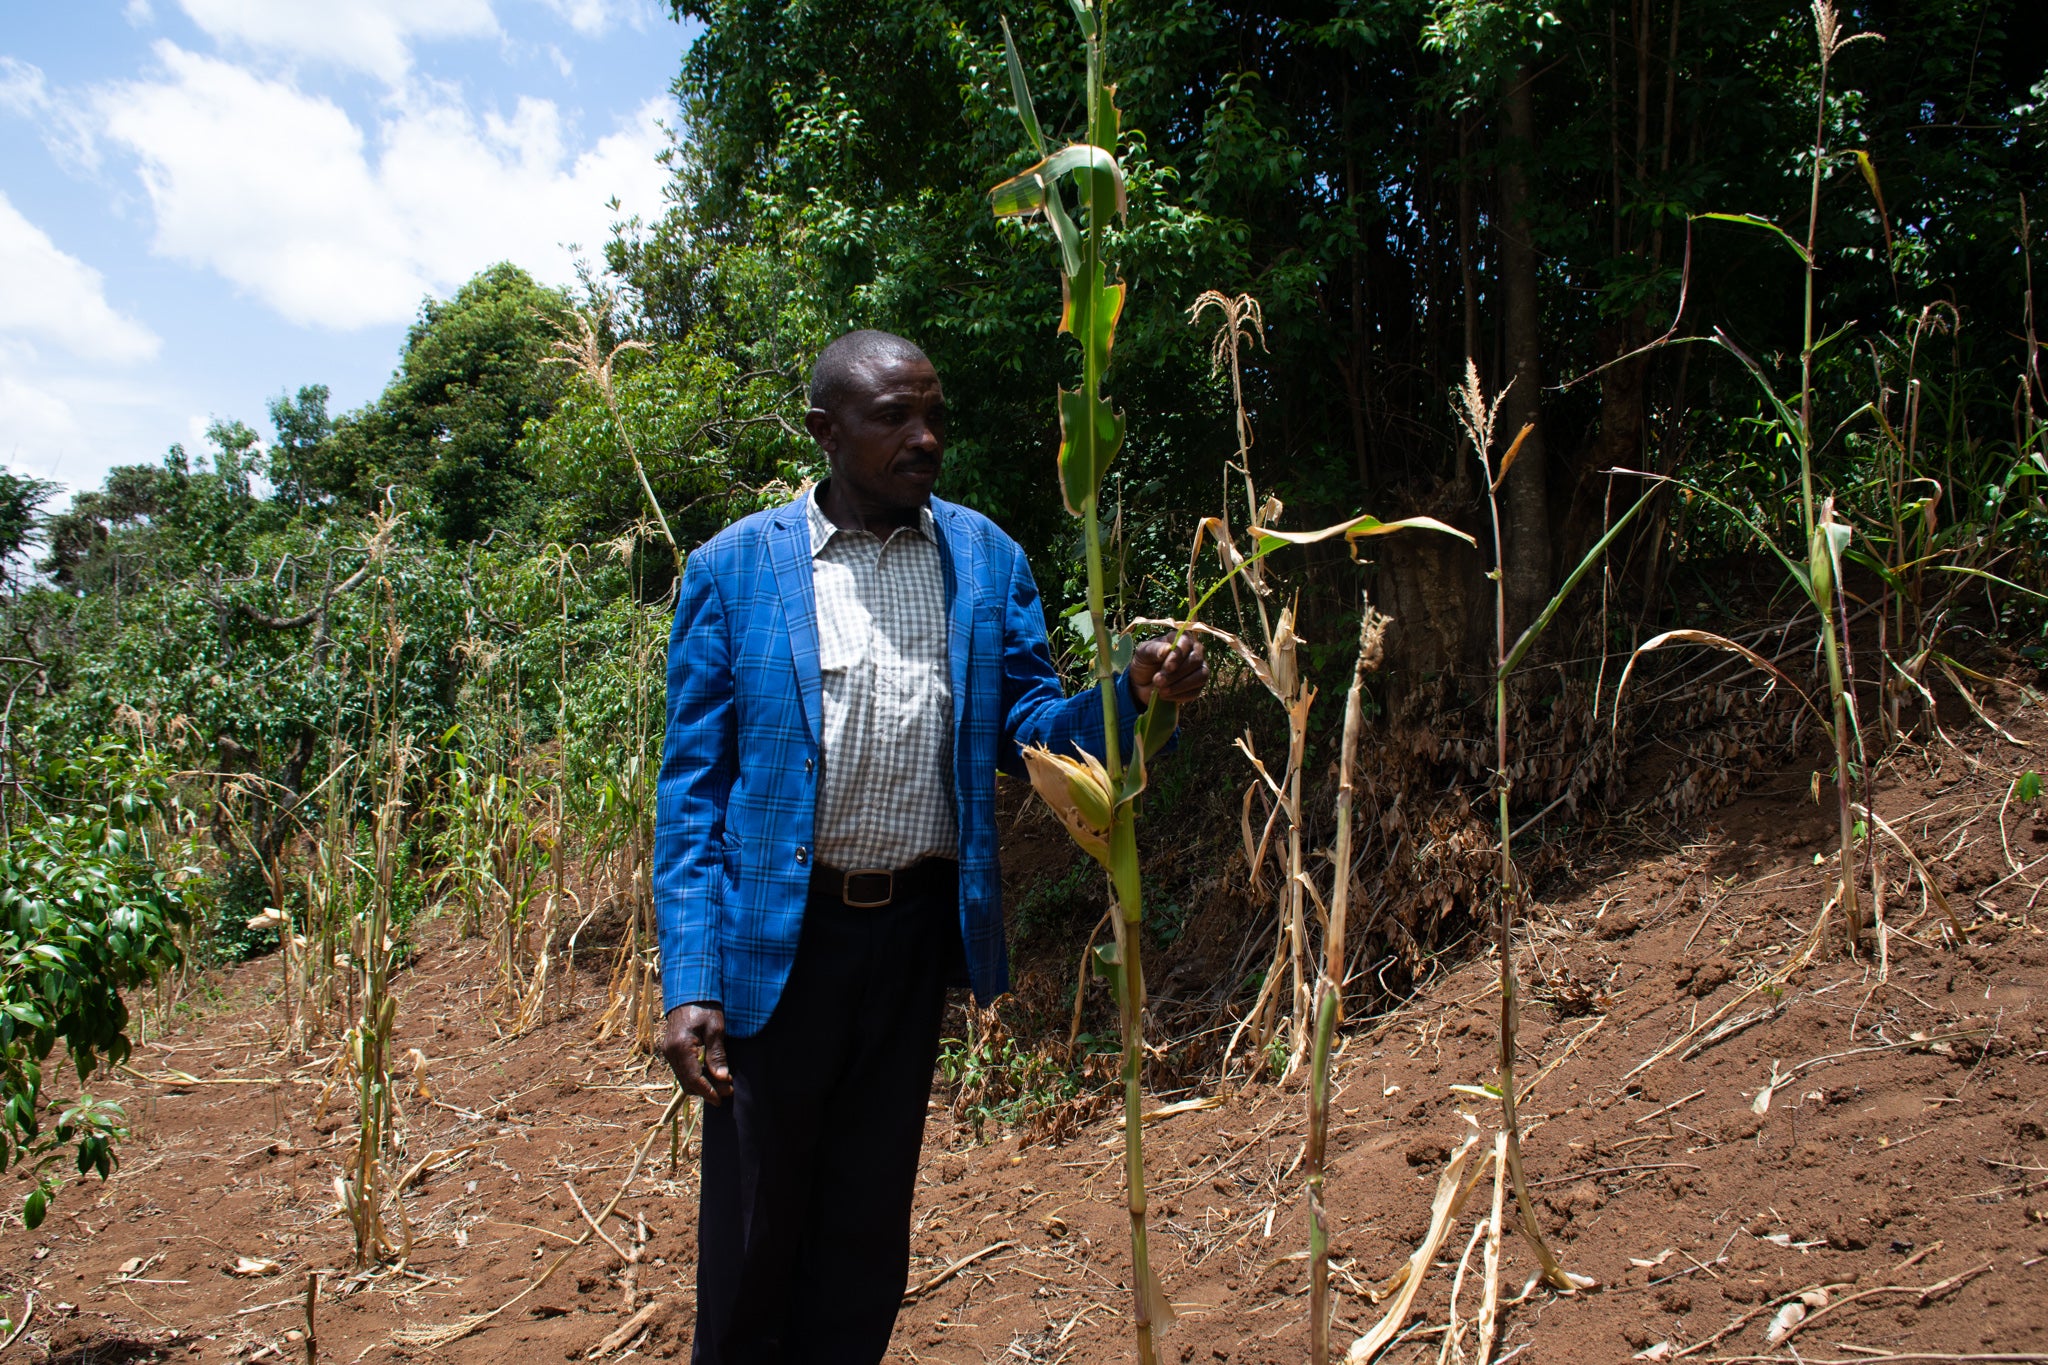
(1360, 373)
(1527, 495)
(1358, 368)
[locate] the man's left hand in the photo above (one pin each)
(1174, 669)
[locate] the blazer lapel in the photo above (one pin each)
(956, 555)
(789, 552)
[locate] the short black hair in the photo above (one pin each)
(833, 372)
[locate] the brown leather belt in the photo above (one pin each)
(871, 888)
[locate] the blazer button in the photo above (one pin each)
(803, 855)
(810, 764)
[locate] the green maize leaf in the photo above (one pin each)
(1793, 427)
(1981, 573)
(1130, 785)
(1091, 433)
(1359, 527)
(1878, 567)
(1543, 618)
(1085, 17)
(1090, 315)
(1108, 961)
(1108, 122)
(1830, 339)
(1751, 220)
(1157, 725)
(1020, 90)
(1025, 192)
(1792, 566)
(1020, 196)
(1066, 234)
(1122, 644)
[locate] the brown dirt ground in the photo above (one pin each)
(1906, 1147)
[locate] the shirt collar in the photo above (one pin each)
(823, 528)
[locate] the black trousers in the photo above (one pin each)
(803, 1234)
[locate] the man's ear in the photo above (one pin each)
(819, 423)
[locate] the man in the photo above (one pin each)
(846, 676)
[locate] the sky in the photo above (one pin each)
(205, 204)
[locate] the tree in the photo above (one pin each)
(22, 500)
(448, 426)
(298, 462)
(1402, 185)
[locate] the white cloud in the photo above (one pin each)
(53, 296)
(22, 87)
(67, 418)
(593, 18)
(282, 193)
(65, 126)
(72, 424)
(373, 36)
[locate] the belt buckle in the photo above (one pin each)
(887, 895)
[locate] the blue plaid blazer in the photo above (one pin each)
(738, 788)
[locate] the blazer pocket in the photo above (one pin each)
(731, 849)
(988, 628)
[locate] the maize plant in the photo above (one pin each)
(1329, 1002)
(618, 753)
(366, 1188)
(330, 885)
(1827, 538)
(1096, 800)
(1243, 320)
(1462, 1174)
(1477, 417)
(1318, 1004)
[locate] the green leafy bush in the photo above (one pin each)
(88, 909)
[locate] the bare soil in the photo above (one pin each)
(1901, 1164)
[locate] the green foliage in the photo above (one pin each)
(298, 464)
(831, 171)
(88, 909)
(1001, 1083)
(448, 427)
(1337, 160)
(707, 431)
(22, 500)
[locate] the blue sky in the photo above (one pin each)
(206, 203)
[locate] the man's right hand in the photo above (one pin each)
(693, 1040)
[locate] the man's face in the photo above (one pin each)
(887, 438)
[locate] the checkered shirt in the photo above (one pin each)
(886, 795)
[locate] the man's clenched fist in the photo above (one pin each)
(693, 1040)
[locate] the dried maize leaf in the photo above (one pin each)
(1452, 1188)
(1489, 1305)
